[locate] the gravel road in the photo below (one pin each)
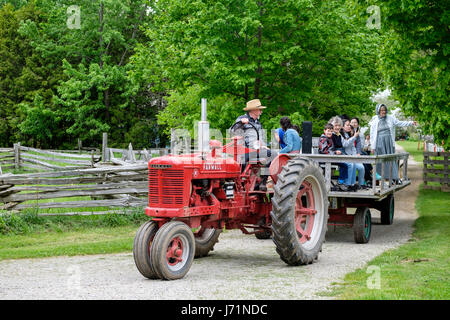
(240, 267)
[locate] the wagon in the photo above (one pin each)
(380, 196)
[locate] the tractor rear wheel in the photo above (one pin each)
(141, 249)
(205, 239)
(173, 250)
(299, 212)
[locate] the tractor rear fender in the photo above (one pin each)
(277, 164)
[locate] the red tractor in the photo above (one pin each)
(193, 197)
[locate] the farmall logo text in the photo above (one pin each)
(212, 166)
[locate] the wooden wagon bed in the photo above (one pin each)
(380, 196)
(380, 188)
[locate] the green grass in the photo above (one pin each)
(28, 235)
(411, 147)
(68, 243)
(416, 270)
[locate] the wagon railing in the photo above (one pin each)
(384, 187)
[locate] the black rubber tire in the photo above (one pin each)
(387, 208)
(284, 232)
(264, 234)
(206, 242)
(141, 249)
(161, 242)
(362, 225)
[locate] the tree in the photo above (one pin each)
(310, 57)
(15, 3)
(414, 59)
(25, 77)
(93, 42)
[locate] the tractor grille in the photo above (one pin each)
(165, 187)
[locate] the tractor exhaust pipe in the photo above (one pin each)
(203, 130)
(203, 109)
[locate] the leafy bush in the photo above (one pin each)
(13, 224)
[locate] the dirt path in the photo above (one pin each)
(240, 267)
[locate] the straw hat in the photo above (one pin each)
(254, 104)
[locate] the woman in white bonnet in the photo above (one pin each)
(382, 138)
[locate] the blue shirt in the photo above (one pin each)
(281, 136)
(293, 141)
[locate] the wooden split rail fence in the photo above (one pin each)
(7, 159)
(111, 186)
(32, 159)
(133, 156)
(114, 178)
(435, 169)
(26, 158)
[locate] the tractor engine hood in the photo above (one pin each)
(200, 167)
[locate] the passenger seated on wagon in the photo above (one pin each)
(293, 142)
(362, 148)
(326, 146)
(345, 169)
(326, 140)
(349, 139)
(279, 137)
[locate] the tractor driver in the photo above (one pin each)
(254, 138)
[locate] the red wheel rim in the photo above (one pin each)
(305, 211)
(174, 251)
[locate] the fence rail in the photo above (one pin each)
(32, 159)
(88, 178)
(111, 186)
(435, 169)
(6, 158)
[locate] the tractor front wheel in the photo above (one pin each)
(299, 212)
(141, 249)
(173, 250)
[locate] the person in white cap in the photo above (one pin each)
(253, 133)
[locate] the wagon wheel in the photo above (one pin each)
(173, 250)
(362, 225)
(141, 249)
(205, 239)
(299, 212)
(387, 210)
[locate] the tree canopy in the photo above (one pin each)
(310, 57)
(68, 67)
(414, 59)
